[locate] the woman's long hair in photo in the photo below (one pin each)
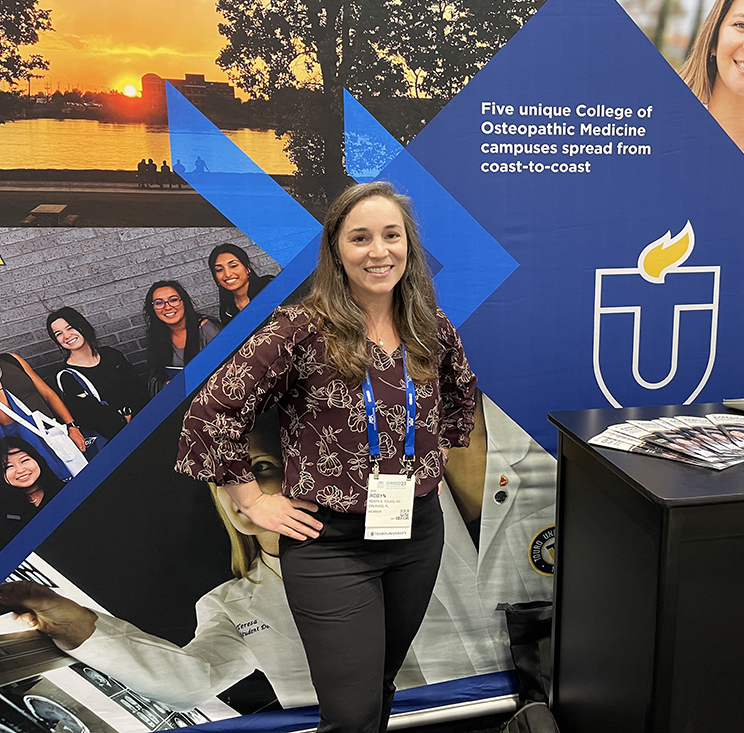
(700, 70)
(414, 303)
(159, 344)
(245, 550)
(79, 322)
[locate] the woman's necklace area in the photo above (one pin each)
(381, 329)
(376, 334)
(84, 360)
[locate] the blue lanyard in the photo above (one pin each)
(373, 434)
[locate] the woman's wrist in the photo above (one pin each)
(244, 495)
(72, 635)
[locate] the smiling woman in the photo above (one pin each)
(176, 333)
(715, 69)
(236, 279)
(97, 383)
(28, 485)
(363, 371)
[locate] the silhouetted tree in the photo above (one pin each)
(374, 48)
(21, 21)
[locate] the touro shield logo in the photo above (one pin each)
(655, 325)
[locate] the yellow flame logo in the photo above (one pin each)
(665, 254)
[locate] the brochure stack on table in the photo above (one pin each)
(712, 441)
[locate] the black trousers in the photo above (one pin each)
(358, 604)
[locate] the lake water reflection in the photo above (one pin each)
(88, 144)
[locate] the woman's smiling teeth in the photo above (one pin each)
(378, 270)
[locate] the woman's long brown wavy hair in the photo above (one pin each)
(414, 303)
(700, 70)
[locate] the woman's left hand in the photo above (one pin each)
(77, 438)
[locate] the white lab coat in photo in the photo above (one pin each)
(243, 626)
(463, 633)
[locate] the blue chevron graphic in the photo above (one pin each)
(473, 263)
(261, 209)
(469, 263)
(368, 146)
(235, 185)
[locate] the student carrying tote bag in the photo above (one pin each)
(49, 432)
(94, 441)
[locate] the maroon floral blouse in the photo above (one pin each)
(323, 422)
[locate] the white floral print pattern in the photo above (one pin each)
(323, 420)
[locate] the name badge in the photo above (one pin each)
(389, 507)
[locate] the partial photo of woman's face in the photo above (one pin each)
(168, 306)
(66, 336)
(267, 467)
(230, 272)
(730, 49)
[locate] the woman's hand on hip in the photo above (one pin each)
(276, 512)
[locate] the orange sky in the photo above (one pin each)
(105, 44)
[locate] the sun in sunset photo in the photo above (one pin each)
(130, 90)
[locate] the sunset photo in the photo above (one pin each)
(84, 109)
(93, 109)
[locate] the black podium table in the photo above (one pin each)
(649, 594)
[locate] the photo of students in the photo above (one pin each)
(236, 279)
(176, 333)
(99, 386)
(504, 483)
(242, 625)
(713, 70)
(26, 386)
(28, 485)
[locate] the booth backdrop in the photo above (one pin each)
(578, 206)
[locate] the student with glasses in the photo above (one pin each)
(176, 333)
